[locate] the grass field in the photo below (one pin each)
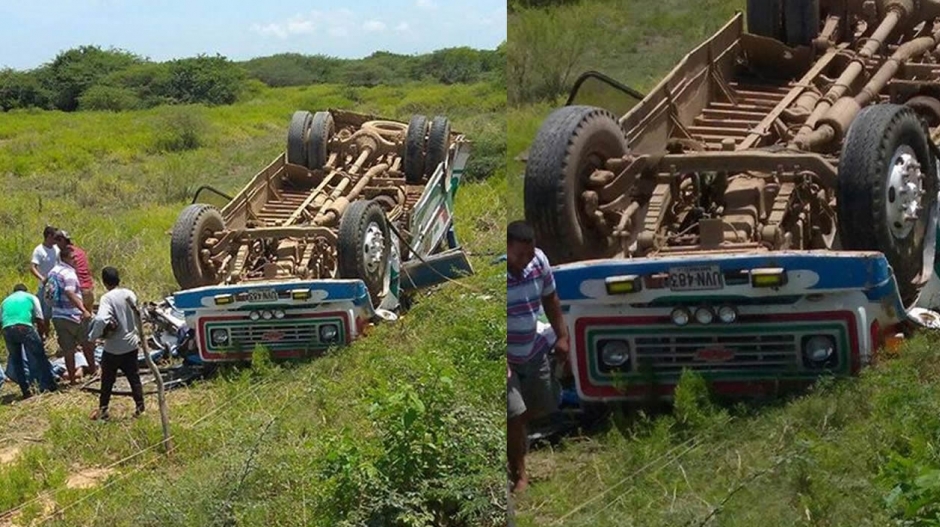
(855, 452)
(404, 427)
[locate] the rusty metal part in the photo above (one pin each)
(743, 136)
(283, 224)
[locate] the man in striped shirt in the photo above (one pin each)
(530, 289)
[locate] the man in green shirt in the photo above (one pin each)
(20, 314)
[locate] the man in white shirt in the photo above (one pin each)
(115, 323)
(45, 257)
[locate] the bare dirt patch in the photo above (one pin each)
(9, 454)
(88, 478)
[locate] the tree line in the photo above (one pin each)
(92, 78)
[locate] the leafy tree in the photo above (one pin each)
(203, 79)
(74, 71)
(294, 69)
(365, 74)
(111, 98)
(454, 65)
(149, 81)
(22, 90)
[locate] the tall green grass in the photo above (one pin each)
(634, 41)
(404, 427)
(854, 452)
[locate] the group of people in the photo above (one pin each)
(64, 302)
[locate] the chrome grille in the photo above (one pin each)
(758, 351)
(257, 332)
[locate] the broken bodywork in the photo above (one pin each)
(812, 134)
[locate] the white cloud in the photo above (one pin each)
(402, 27)
(426, 4)
(336, 23)
(338, 31)
(373, 25)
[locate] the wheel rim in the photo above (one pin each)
(373, 247)
(904, 192)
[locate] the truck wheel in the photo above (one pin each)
(438, 143)
(297, 137)
(572, 142)
(801, 21)
(194, 225)
(321, 130)
(363, 246)
(415, 149)
(887, 188)
(765, 18)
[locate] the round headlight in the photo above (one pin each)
(680, 316)
(727, 314)
(254, 315)
(819, 349)
(704, 315)
(219, 336)
(278, 313)
(615, 353)
(267, 315)
(328, 332)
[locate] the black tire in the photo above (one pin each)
(297, 137)
(321, 130)
(801, 21)
(572, 142)
(438, 144)
(765, 18)
(415, 149)
(194, 224)
(865, 193)
(353, 228)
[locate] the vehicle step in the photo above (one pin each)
(721, 123)
(705, 131)
(762, 109)
(719, 113)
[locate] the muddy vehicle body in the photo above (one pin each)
(355, 214)
(780, 172)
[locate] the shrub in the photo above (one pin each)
(544, 52)
(181, 128)
(433, 451)
(108, 98)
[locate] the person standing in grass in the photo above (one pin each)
(68, 310)
(530, 288)
(20, 315)
(115, 322)
(87, 286)
(45, 257)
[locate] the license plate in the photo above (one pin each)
(262, 295)
(702, 278)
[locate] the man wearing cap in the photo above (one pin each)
(87, 285)
(45, 257)
(20, 314)
(68, 311)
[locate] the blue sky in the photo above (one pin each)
(33, 32)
